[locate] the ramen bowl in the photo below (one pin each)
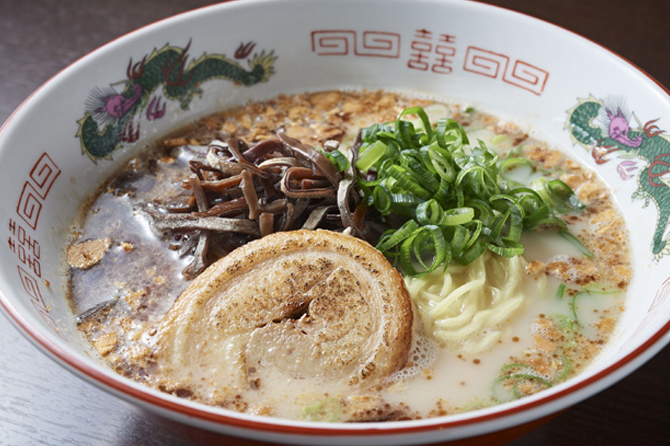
(505, 63)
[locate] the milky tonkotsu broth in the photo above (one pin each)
(135, 276)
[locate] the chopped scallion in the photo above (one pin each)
(457, 200)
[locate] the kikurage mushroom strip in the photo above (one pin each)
(241, 192)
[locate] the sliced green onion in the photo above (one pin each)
(404, 133)
(425, 175)
(498, 391)
(560, 292)
(449, 134)
(516, 378)
(475, 228)
(425, 240)
(567, 326)
(457, 216)
(514, 163)
(558, 195)
(565, 195)
(498, 139)
(528, 377)
(381, 199)
(370, 155)
(577, 243)
(482, 209)
(573, 304)
(338, 158)
(429, 213)
(443, 162)
(556, 222)
(444, 194)
(516, 365)
(459, 239)
(472, 253)
(460, 200)
(566, 369)
(406, 200)
(407, 181)
(586, 291)
(513, 250)
(394, 237)
(421, 113)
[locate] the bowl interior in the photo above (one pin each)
(56, 149)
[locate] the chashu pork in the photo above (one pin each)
(290, 307)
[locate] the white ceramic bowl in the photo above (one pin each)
(503, 62)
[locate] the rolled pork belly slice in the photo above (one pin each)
(306, 305)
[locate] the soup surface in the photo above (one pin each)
(489, 331)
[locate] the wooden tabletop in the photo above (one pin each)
(41, 403)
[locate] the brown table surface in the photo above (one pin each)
(41, 403)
